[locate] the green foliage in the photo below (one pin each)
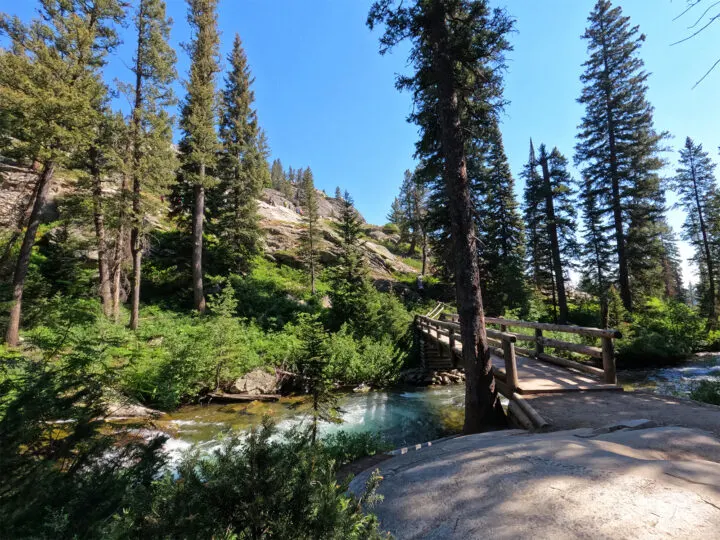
(66, 476)
(662, 332)
(620, 159)
(254, 488)
(58, 480)
(707, 392)
(345, 447)
(364, 360)
(242, 168)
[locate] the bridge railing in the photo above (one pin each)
(605, 353)
(501, 344)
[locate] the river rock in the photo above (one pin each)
(362, 389)
(258, 381)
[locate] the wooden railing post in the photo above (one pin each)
(511, 376)
(539, 346)
(608, 358)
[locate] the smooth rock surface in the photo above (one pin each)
(613, 482)
(257, 382)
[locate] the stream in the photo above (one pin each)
(401, 416)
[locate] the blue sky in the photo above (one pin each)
(326, 98)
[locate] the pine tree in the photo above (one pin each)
(350, 285)
(50, 88)
(242, 168)
(153, 162)
(552, 221)
(596, 252)
(338, 193)
(199, 145)
(457, 52)
(695, 184)
(311, 234)
(501, 246)
(103, 162)
(618, 145)
(277, 175)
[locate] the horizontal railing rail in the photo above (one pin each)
(605, 353)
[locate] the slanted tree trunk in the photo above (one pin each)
(99, 221)
(554, 243)
(706, 244)
(482, 405)
(21, 221)
(197, 235)
(23, 262)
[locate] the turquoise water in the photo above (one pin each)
(674, 381)
(401, 416)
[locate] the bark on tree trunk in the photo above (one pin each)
(482, 405)
(706, 246)
(424, 254)
(23, 261)
(118, 252)
(197, 235)
(623, 272)
(554, 243)
(99, 221)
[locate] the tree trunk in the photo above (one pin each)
(21, 224)
(135, 232)
(706, 246)
(118, 252)
(623, 272)
(554, 242)
(424, 254)
(23, 261)
(99, 221)
(482, 405)
(197, 235)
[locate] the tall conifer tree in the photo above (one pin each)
(501, 234)
(457, 53)
(618, 146)
(50, 89)
(695, 184)
(311, 234)
(242, 169)
(153, 162)
(199, 146)
(551, 216)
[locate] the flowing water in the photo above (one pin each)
(401, 416)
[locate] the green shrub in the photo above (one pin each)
(344, 447)
(66, 476)
(707, 392)
(662, 332)
(390, 228)
(254, 489)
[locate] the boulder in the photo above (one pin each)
(257, 382)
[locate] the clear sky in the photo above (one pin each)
(326, 99)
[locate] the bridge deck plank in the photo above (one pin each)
(537, 377)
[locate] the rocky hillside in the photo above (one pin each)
(281, 218)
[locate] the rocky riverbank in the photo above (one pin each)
(421, 377)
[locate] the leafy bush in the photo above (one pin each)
(344, 447)
(367, 360)
(662, 332)
(390, 228)
(707, 392)
(254, 489)
(65, 476)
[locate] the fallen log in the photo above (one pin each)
(241, 398)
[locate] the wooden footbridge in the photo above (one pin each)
(585, 364)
